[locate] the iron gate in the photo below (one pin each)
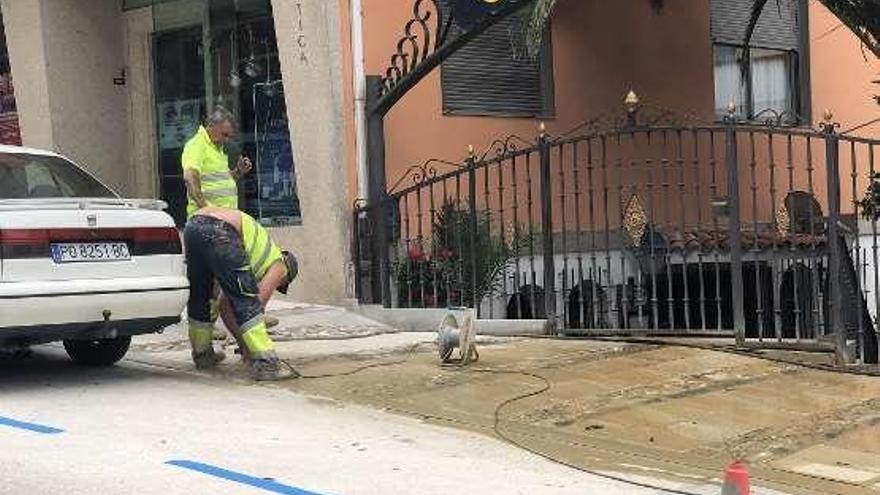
(641, 225)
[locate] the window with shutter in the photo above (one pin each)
(485, 78)
(772, 76)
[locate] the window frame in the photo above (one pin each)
(793, 79)
(801, 83)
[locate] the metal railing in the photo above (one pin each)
(640, 225)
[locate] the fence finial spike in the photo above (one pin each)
(631, 100)
(731, 108)
(470, 150)
(828, 116)
(542, 128)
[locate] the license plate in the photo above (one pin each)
(79, 252)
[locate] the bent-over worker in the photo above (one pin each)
(233, 248)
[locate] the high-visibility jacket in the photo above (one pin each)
(261, 251)
(212, 164)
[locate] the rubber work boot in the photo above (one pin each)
(270, 368)
(207, 360)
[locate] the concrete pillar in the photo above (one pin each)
(142, 162)
(67, 58)
(309, 44)
(24, 27)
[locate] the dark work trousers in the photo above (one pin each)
(214, 251)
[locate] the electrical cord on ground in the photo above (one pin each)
(354, 371)
(496, 428)
(496, 423)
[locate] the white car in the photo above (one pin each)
(79, 264)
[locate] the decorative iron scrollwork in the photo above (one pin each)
(635, 221)
(421, 175)
(429, 38)
(783, 221)
(503, 147)
(773, 118)
(423, 33)
(636, 114)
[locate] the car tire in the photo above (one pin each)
(101, 352)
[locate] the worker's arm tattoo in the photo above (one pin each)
(194, 187)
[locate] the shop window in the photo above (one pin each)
(224, 52)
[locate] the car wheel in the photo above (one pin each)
(101, 352)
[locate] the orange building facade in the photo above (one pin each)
(600, 51)
(635, 231)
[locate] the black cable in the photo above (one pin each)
(546, 387)
(406, 358)
(496, 426)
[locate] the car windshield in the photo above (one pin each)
(25, 176)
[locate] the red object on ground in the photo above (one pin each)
(736, 479)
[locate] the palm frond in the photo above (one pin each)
(529, 28)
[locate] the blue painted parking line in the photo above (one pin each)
(261, 483)
(21, 425)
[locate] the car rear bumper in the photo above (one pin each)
(40, 334)
(69, 307)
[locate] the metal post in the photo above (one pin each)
(734, 233)
(835, 322)
(356, 253)
(379, 266)
(547, 231)
(472, 227)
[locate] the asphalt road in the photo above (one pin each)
(133, 428)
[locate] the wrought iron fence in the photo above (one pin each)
(641, 225)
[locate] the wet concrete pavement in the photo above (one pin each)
(674, 413)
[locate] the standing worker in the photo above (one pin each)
(231, 247)
(209, 180)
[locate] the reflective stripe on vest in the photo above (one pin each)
(260, 249)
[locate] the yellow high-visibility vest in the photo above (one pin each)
(261, 251)
(212, 164)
